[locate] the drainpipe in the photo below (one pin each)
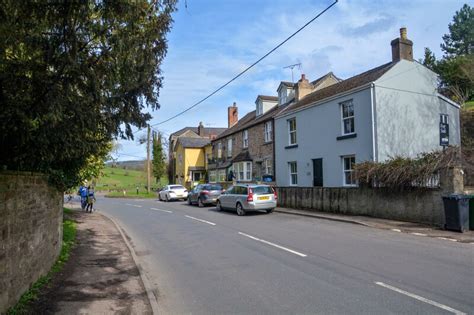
(374, 122)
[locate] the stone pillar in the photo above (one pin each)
(451, 181)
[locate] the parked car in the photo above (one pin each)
(173, 192)
(204, 194)
(243, 198)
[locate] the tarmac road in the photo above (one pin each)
(201, 261)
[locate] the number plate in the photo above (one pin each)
(263, 198)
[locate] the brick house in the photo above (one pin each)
(245, 151)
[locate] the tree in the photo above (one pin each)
(74, 75)
(429, 59)
(460, 40)
(457, 77)
(158, 160)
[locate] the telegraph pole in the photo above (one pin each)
(148, 160)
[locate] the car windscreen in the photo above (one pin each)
(212, 187)
(177, 187)
(262, 190)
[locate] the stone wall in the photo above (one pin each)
(422, 206)
(30, 232)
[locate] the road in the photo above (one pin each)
(206, 262)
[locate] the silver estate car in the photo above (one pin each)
(247, 197)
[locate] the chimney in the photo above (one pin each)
(201, 129)
(402, 48)
(303, 88)
(232, 115)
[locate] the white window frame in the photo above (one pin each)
(444, 118)
(282, 95)
(350, 170)
(268, 131)
(291, 132)
(219, 150)
(268, 167)
(344, 118)
(259, 108)
(212, 176)
(229, 147)
(221, 175)
(243, 171)
(293, 174)
(245, 138)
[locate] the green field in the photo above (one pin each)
(469, 105)
(116, 180)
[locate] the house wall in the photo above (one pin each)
(257, 147)
(317, 129)
(31, 214)
(193, 157)
(408, 112)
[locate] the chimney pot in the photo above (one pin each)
(403, 33)
(402, 47)
(232, 115)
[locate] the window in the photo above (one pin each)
(443, 118)
(212, 176)
(282, 96)
(243, 171)
(221, 176)
(268, 168)
(259, 109)
(348, 170)
(219, 150)
(246, 138)
(268, 131)
(347, 110)
(293, 171)
(292, 131)
(229, 148)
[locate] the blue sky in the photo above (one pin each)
(211, 41)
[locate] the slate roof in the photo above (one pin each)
(207, 131)
(190, 142)
(242, 156)
(268, 98)
(343, 86)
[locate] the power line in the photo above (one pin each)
(247, 69)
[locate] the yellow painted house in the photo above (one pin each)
(191, 160)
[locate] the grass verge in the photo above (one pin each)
(69, 237)
(131, 195)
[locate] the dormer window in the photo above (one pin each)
(282, 96)
(259, 108)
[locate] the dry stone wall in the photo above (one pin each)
(30, 232)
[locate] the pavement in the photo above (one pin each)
(393, 225)
(100, 277)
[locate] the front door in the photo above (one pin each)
(318, 172)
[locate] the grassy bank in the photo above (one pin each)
(69, 237)
(119, 179)
(132, 194)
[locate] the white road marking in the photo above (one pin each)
(419, 234)
(200, 220)
(272, 244)
(396, 230)
(133, 205)
(452, 240)
(161, 210)
(420, 298)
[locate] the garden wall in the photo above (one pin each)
(31, 216)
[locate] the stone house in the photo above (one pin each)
(199, 132)
(391, 110)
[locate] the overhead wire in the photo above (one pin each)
(245, 70)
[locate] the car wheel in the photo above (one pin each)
(240, 210)
(167, 199)
(200, 204)
(269, 210)
(189, 200)
(218, 206)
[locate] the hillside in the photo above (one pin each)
(119, 179)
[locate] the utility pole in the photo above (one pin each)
(148, 160)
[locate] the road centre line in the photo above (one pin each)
(273, 244)
(200, 220)
(161, 210)
(133, 205)
(420, 298)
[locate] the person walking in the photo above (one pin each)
(90, 199)
(83, 194)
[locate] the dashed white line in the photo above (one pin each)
(200, 220)
(133, 205)
(161, 210)
(273, 244)
(420, 298)
(396, 230)
(418, 234)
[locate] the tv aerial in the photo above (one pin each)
(292, 67)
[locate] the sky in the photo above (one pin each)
(213, 40)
